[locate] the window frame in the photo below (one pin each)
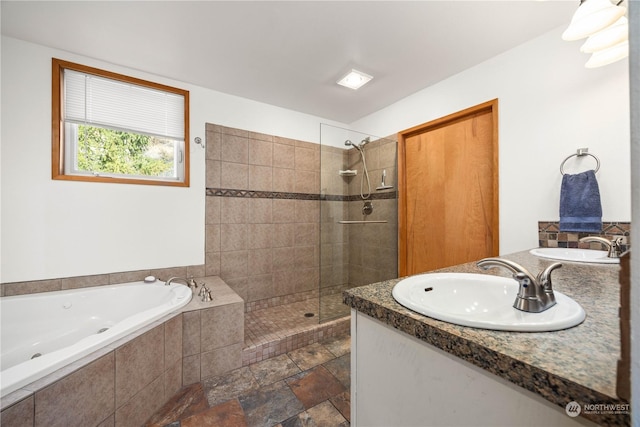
(58, 155)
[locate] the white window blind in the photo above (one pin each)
(113, 104)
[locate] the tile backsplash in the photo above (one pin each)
(550, 236)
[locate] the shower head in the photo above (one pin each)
(349, 143)
(365, 142)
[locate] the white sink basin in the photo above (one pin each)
(575, 255)
(482, 301)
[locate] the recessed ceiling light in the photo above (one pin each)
(354, 79)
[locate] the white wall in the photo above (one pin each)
(549, 106)
(54, 229)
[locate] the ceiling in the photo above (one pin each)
(290, 53)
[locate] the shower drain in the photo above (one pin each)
(102, 330)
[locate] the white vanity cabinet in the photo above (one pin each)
(400, 381)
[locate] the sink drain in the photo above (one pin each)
(309, 315)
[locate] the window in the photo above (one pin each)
(107, 127)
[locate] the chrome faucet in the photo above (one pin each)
(613, 245)
(535, 294)
(191, 283)
(176, 279)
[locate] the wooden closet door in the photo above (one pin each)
(448, 173)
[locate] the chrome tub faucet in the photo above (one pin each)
(535, 294)
(189, 282)
(205, 293)
(613, 245)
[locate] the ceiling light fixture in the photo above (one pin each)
(607, 30)
(354, 79)
(614, 34)
(592, 16)
(609, 55)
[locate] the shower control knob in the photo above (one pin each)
(367, 209)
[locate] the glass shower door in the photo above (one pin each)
(358, 214)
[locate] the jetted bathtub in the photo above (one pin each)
(40, 333)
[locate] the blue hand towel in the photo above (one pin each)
(580, 206)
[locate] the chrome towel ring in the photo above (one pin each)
(581, 152)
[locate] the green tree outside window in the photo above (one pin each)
(103, 150)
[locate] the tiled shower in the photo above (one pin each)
(272, 211)
(356, 248)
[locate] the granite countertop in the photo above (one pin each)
(575, 364)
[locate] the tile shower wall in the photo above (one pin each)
(334, 237)
(356, 254)
(262, 215)
(373, 248)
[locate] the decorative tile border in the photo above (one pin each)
(374, 196)
(250, 194)
(550, 236)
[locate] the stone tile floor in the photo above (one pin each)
(309, 386)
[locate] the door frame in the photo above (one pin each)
(492, 107)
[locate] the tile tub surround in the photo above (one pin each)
(126, 382)
(213, 333)
(550, 236)
(36, 286)
(576, 364)
(120, 385)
